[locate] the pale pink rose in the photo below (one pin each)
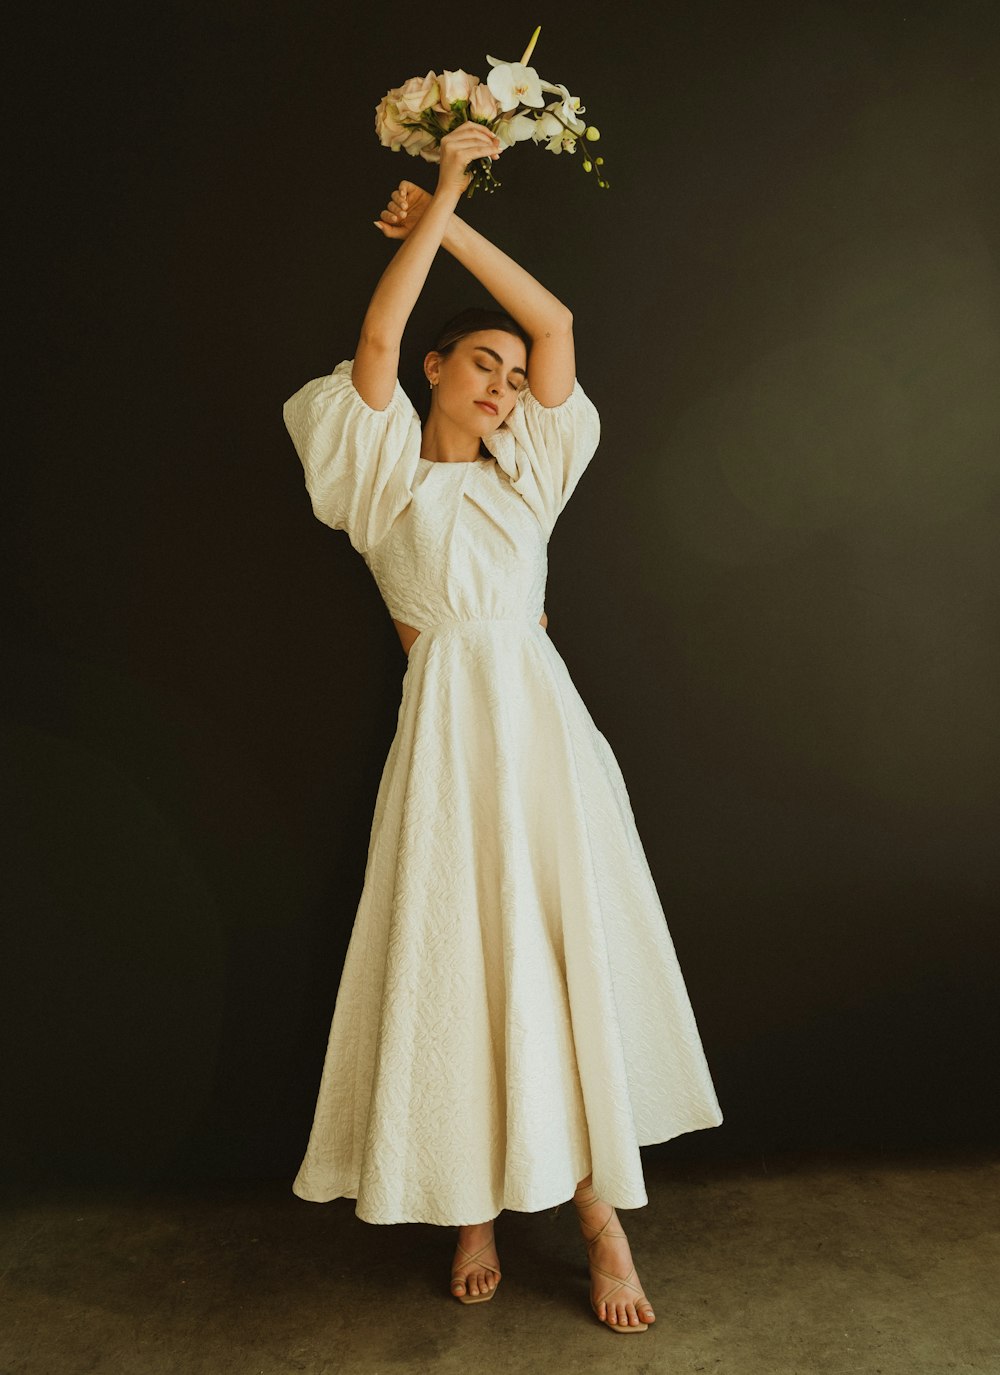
(455, 86)
(483, 103)
(414, 141)
(419, 93)
(388, 124)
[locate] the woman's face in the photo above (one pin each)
(477, 383)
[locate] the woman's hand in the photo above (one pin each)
(406, 205)
(468, 143)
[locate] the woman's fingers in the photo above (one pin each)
(393, 219)
(395, 210)
(399, 200)
(461, 148)
(472, 140)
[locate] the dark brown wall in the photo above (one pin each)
(776, 587)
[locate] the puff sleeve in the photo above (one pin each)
(359, 463)
(547, 448)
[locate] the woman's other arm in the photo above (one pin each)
(376, 359)
(552, 360)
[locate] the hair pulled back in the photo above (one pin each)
(471, 321)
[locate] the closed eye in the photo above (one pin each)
(516, 386)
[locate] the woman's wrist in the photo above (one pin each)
(448, 193)
(453, 231)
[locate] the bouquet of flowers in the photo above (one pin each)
(418, 114)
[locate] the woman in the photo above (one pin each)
(511, 1024)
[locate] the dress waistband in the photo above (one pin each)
(448, 622)
(468, 625)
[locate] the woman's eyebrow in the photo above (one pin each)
(481, 348)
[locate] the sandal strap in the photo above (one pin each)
(471, 1257)
(601, 1231)
(619, 1283)
(640, 1300)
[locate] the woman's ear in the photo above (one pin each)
(432, 367)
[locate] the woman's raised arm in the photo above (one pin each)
(376, 359)
(552, 362)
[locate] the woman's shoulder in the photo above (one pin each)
(359, 462)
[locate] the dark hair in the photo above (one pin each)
(471, 321)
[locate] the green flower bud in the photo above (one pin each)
(592, 133)
(587, 164)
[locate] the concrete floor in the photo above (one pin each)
(788, 1267)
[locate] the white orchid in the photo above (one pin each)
(514, 129)
(514, 85)
(567, 108)
(550, 131)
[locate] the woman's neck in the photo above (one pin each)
(442, 441)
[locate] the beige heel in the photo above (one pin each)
(472, 1257)
(617, 1281)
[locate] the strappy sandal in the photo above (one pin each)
(617, 1281)
(472, 1257)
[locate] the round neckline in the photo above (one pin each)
(457, 463)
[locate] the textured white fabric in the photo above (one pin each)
(511, 1013)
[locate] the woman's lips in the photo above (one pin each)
(488, 406)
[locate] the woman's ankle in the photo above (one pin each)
(476, 1227)
(586, 1195)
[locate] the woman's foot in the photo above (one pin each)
(475, 1272)
(616, 1295)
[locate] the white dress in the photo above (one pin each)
(511, 1014)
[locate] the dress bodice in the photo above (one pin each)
(444, 541)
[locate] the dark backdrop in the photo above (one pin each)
(776, 586)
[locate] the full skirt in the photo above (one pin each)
(511, 1014)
